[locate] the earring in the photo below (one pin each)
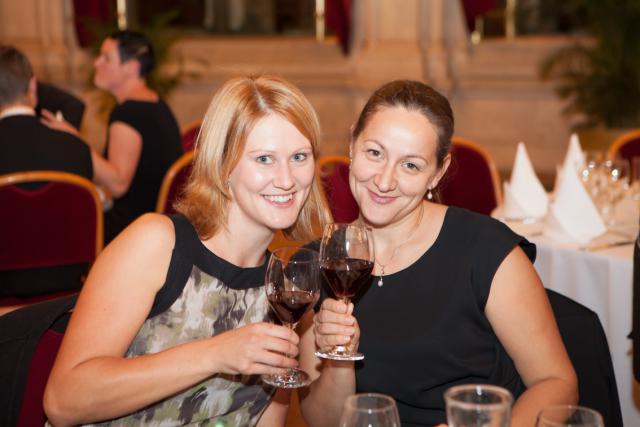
(429, 194)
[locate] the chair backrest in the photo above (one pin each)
(29, 341)
(472, 181)
(189, 135)
(626, 146)
(48, 219)
(173, 181)
(586, 344)
(334, 176)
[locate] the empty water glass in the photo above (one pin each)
(370, 410)
(478, 405)
(569, 416)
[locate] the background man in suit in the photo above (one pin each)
(26, 144)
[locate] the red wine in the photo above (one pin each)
(346, 276)
(291, 305)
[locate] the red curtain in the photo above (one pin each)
(87, 11)
(338, 19)
(475, 8)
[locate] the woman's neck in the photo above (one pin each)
(136, 89)
(241, 246)
(399, 232)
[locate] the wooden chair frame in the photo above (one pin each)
(56, 176)
(495, 177)
(617, 144)
(176, 167)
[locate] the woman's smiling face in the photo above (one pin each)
(394, 164)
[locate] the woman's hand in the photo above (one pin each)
(57, 122)
(259, 348)
(334, 325)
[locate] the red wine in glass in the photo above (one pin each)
(292, 285)
(346, 261)
(347, 276)
(290, 306)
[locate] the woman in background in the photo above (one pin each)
(143, 138)
(454, 298)
(172, 324)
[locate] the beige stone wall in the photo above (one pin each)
(497, 97)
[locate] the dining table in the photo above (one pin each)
(599, 275)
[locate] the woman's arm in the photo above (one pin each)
(125, 148)
(520, 314)
(91, 380)
(321, 403)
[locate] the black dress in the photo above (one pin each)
(425, 329)
(161, 146)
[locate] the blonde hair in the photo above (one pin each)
(233, 112)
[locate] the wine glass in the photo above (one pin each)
(474, 405)
(617, 184)
(569, 416)
(369, 409)
(346, 261)
(292, 284)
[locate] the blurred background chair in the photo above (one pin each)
(334, 177)
(173, 181)
(472, 181)
(29, 341)
(587, 346)
(626, 146)
(189, 135)
(51, 228)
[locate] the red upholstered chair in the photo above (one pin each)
(626, 146)
(334, 176)
(189, 135)
(472, 181)
(173, 181)
(48, 219)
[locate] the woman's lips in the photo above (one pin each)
(382, 200)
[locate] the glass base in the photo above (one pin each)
(339, 354)
(294, 378)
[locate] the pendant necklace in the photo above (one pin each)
(395, 251)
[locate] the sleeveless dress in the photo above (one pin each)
(161, 146)
(210, 296)
(425, 329)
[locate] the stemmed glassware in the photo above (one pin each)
(369, 410)
(346, 261)
(617, 184)
(472, 405)
(292, 283)
(569, 416)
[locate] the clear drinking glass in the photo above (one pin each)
(616, 174)
(346, 261)
(569, 416)
(292, 284)
(369, 410)
(478, 405)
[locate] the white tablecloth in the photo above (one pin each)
(601, 279)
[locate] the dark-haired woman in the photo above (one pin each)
(454, 297)
(143, 137)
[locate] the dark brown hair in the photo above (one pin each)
(414, 96)
(15, 73)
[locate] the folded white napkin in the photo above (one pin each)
(524, 195)
(572, 215)
(574, 159)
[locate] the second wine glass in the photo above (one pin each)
(292, 284)
(346, 261)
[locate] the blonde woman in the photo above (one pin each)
(172, 325)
